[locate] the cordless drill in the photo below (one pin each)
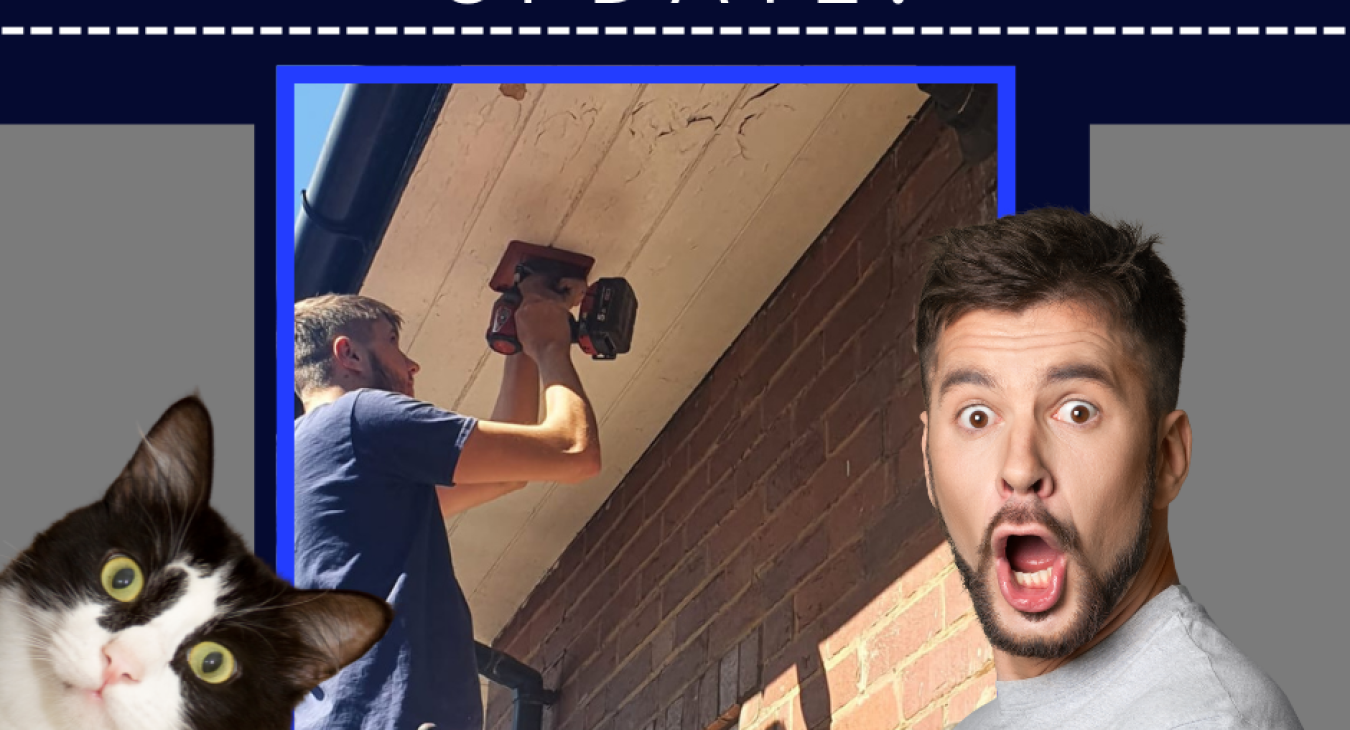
(605, 328)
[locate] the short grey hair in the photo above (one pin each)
(321, 320)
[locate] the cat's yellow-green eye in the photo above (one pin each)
(212, 662)
(122, 579)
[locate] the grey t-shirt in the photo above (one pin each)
(1169, 666)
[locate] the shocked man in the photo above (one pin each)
(1051, 345)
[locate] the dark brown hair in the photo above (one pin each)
(321, 320)
(1053, 255)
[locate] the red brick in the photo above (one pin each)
(662, 561)
(931, 721)
(663, 642)
(631, 675)
(707, 697)
(859, 506)
(638, 626)
(728, 691)
(828, 585)
(808, 453)
(686, 667)
(682, 581)
(858, 454)
(749, 662)
(740, 523)
(691, 709)
(674, 715)
(637, 711)
(897, 526)
(927, 179)
(803, 458)
(625, 604)
(826, 388)
(800, 370)
(709, 430)
(750, 710)
(925, 570)
(877, 711)
(766, 364)
(794, 564)
(876, 240)
(859, 402)
(843, 681)
(710, 599)
(861, 306)
(832, 289)
(737, 441)
(903, 635)
(687, 495)
(890, 334)
(967, 699)
(736, 618)
(875, 605)
(712, 510)
(811, 707)
(594, 711)
(961, 655)
(591, 677)
(782, 304)
(955, 598)
(772, 445)
(777, 632)
(638, 552)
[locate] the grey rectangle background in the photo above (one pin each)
(126, 282)
(1253, 226)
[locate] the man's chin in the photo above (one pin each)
(1052, 633)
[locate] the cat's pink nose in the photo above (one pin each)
(122, 665)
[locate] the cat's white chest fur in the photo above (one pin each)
(53, 664)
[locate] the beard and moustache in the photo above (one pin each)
(382, 379)
(1101, 592)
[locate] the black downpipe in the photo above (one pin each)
(530, 695)
(377, 136)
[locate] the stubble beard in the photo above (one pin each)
(1100, 593)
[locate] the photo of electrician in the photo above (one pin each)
(377, 472)
(1051, 346)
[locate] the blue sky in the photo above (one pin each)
(314, 108)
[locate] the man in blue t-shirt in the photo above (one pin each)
(378, 472)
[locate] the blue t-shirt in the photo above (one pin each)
(367, 519)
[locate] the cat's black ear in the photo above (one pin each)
(173, 464)
(338, 627)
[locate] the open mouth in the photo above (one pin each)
(1031, 568)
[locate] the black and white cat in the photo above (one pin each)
(145, 611)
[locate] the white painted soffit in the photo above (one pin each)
(702, 196)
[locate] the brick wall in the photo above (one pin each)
(772, 562)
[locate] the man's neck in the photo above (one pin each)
(322, 396)
(1158, 574)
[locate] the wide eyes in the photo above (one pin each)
(978, 418)
(211, 662)
(1077, 412)
(975, 418)
(122, 578)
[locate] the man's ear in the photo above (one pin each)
(923, 448)
(1174, 457)
(348, 356)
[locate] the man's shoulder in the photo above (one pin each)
(1247, 693)
(1189, 673)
